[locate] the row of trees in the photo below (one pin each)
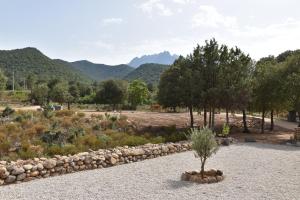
(112, 92)
(218, 77)
(212, 77)
(116, 92)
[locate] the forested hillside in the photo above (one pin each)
(100, 72)
(30, 61)
(150, 73)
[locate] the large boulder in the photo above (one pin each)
(3, 173)
(49, 164)
(137, 152)
(17, 170)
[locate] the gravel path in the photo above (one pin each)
(253, 171)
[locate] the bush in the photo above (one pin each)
(7, 112)
(225, 130)
(81, 115)
(204, 143)
(64, 113)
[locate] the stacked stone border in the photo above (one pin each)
(27, 170)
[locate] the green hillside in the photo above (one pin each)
(100, 72)
(150, 73)
(30, 61)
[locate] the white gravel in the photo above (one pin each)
(253, 171)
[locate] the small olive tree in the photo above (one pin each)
(204, 143)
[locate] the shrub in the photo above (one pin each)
(225, 130)
(133, 140)
(81, 115)
(204, 143)
(64, 113)
(7, 112)
(157, 140)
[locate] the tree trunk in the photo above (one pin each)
(227, 116)
(69, 106)
(191, 116)
(205, 117)
(246, 130)
(202, 169)
(213, 119)
(209, 119)
(272, 121)
(299, 119)
(263, 121)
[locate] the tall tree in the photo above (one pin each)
(111, 93)
(138, 93)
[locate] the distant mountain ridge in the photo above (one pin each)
(150, 73)
(100, 72)
(164, 58)
(30, 61)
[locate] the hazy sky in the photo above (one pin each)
(115, 31)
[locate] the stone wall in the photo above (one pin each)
(27, 170)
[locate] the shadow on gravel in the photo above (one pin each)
(280, 147)
(177, 184)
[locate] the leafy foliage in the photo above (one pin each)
(101, 72)
(138, 93)
(30, 61)
(149, 73)
(204, 144)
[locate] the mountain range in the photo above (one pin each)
(30, 61)
(161, 58)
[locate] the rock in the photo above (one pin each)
(10, 179)
(27, 167)
(17, 170)
(137, 152)
(3, 172)
(40, 167)
(49, 164)
(219, 173)
(112, 160)
(184, 177)
(83, 154)
(164, 149)
(21, 177)
(2, 162)
(211, 172)
(88, 160)
(34, 174)
(219, 178)
(59, 163)
(225, 142)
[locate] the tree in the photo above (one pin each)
(40, 94)
(31, 81)
(3, 81)
(138, 93)
(205, 145)
(169, 89)
(60, 93)
(291, 74)
(268, 92)
(110, 92)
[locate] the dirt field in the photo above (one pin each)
(182, 120)
(143, 119)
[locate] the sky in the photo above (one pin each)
(115, 31)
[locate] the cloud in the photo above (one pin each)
(209, 16)
(182, 1)
(151, 6)
(108, 21)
